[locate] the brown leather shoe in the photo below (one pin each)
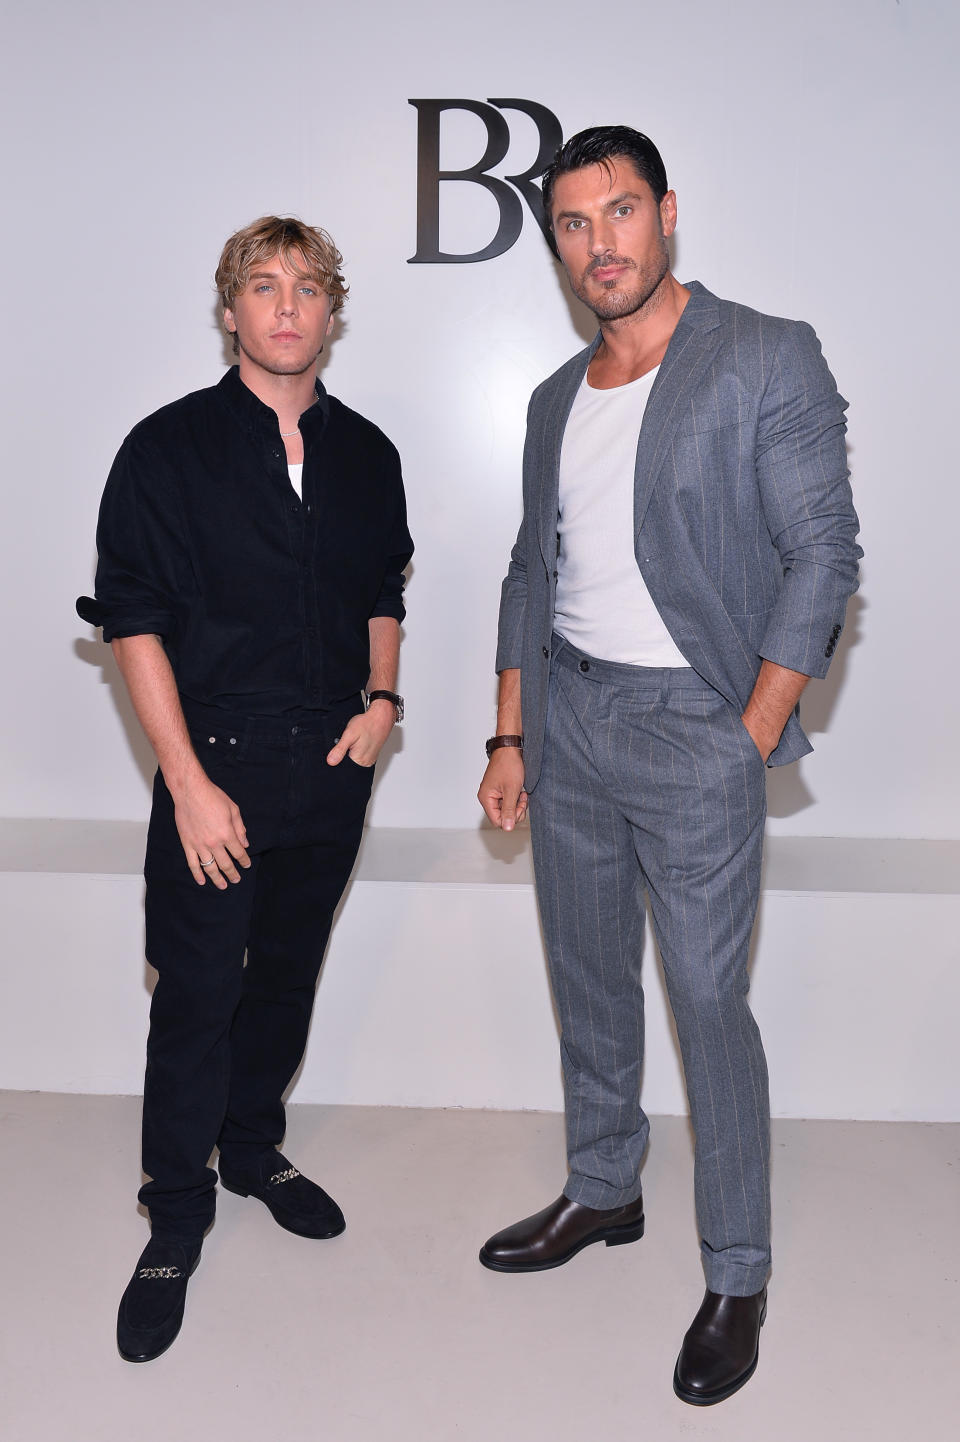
(721, 1348)
(559, 1232)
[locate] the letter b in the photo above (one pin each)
(429, 175)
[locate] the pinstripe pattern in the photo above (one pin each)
(745, 531)
(650, 780)
(745, 535)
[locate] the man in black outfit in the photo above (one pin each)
(252, 542)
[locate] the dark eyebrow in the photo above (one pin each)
(617, 200)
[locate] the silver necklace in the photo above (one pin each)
(285, 435)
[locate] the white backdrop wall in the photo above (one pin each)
(812, 147)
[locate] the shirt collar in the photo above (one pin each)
(252, 412)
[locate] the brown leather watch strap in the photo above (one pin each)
(391, 696)
(495, 742)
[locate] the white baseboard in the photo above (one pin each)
(434, 991)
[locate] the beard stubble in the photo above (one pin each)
(617, 300)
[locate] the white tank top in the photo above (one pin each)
(603, 606)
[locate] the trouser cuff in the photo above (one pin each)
(601, 1196)
(733, 1280)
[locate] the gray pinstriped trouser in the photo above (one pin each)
(650, 780)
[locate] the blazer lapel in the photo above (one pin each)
(692, 347)
(557, 405)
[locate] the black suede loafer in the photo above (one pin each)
(721, 1348)
(559, 1232)
(151, 1308)
(297, 1204)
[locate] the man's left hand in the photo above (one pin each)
(775, 693)
(364, 735)
(764, 744)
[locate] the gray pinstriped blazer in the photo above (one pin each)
(743, 517)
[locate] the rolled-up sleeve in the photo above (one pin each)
(144, 575)
(399, 550)
(807, 503)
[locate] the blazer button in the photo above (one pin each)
(546, 653)
(829, 650)
(584, 665)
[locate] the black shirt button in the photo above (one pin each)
(546, 653)
(584, 665)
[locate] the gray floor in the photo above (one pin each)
(393, 1331)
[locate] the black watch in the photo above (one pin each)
(385, 696)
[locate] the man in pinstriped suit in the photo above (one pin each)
(682, 569)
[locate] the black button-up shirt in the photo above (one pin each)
(262, 600)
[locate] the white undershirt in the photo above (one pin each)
(296, 476)
(603, 606)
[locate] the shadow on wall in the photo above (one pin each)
(787, 791)
(95, 652)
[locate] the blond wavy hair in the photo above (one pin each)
(306, 250)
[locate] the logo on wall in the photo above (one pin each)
(509, 192)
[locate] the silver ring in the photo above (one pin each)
(205, 864)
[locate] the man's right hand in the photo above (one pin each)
(211, 828)
(501, 791)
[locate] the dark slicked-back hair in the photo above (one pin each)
(602, 143)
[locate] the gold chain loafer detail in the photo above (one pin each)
(151, 1308)
(721, 1348)
(551, 1237)
(296, 1203)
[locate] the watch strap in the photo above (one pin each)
(391, 696)
(495, 742)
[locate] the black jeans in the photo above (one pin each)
(227, 1037)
